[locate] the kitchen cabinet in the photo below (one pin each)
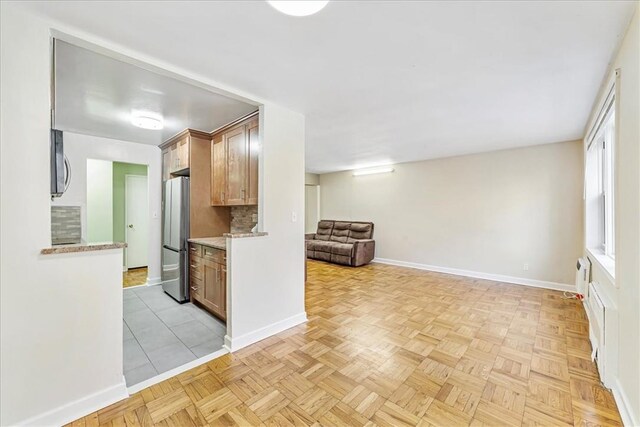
(177, 151)
(234, 174)
(208, 279)
(166, 164)
(218, 170)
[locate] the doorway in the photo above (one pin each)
(311, 208)
(118, 211)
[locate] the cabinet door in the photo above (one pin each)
(218, 171)
(253, 141)
(166, 164)
(213, 288)
(183, 154)
(236, 143)
(211, 279)
(174, 157)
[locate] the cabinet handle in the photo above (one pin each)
(194, 288)
(194, 266)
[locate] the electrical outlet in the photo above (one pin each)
(525, 267)
(294, 216)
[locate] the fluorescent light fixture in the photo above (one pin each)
(371, 171)
(298, 8)
(146, 121)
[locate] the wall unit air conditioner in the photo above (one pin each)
(583, 269)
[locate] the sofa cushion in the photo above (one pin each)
(340, 232)
(360, 230)
(324, 230)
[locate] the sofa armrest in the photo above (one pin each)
(364, 251)
(309, 236)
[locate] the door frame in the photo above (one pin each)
(128, 176)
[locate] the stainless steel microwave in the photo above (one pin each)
(60, 168)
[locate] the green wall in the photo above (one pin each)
(119, 171)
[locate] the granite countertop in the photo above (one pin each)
(82, 247)
(221, 241)
(243, 235)
(213, 242)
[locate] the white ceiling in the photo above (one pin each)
(384, 82)
(96, 95)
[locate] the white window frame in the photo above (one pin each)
(602, 146)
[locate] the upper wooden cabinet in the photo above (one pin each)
(218, 170)
(234, 172)
(176, 153)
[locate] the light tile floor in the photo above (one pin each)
(160, 334)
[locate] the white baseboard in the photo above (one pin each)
(153, 281)
(622, 401)
(176, 371)
(479, 275)
(236, 343)
(79, 408)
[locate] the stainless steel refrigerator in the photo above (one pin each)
(175, 231)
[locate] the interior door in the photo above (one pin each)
(136, 224)
(237, 163)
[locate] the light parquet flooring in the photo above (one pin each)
(134, 277)
(391, 346)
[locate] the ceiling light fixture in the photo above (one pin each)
(298, 8)
(371, 171)
(145, 121)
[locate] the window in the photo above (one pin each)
(599, 182)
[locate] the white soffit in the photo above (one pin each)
(386, 82)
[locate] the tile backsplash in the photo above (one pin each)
(243, 218)
(65, 225)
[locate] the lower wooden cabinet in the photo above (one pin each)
(208, 279)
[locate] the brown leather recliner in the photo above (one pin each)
(342, 242)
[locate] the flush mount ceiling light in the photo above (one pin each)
(146, 121)
(371, 171)
(298, 8)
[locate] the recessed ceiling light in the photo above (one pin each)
(298, 8)
(145, 121)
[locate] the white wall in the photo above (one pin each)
(79, 148)
(488, 213)
(60, 316)
(622, 362)
(266, 274)
(99, 197)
